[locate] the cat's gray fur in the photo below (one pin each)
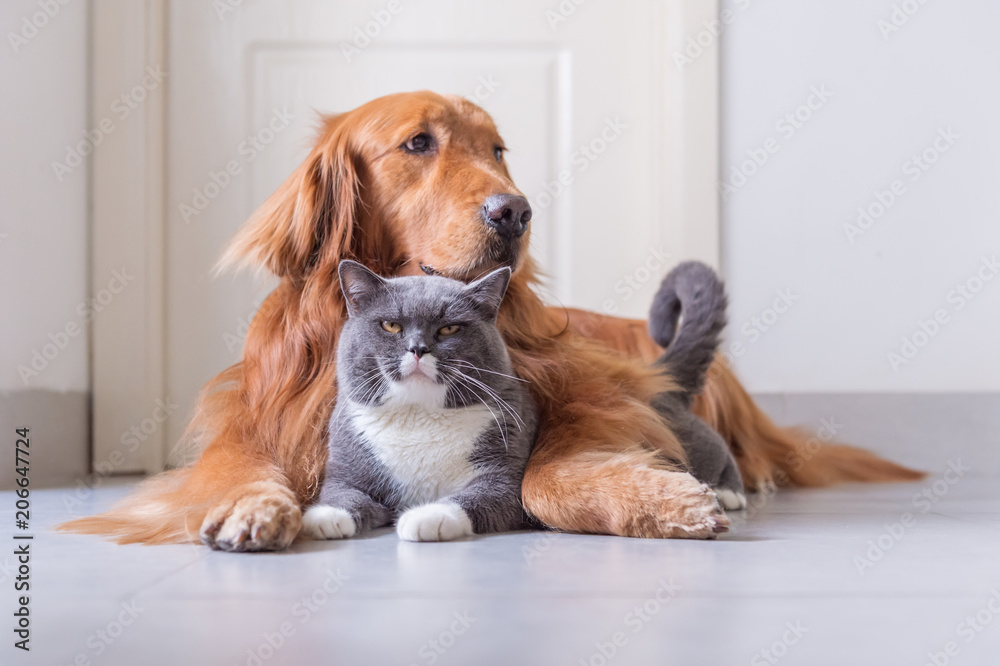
(376, 480)
(693, 293)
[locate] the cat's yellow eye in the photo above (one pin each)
(391, 327)
(448, 330)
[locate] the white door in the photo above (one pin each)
(588, 97)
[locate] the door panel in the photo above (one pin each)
(584, 99)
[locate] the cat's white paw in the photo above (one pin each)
(328, 522)
(731, 500)
(440, 521)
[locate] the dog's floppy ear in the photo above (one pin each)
(309, 218)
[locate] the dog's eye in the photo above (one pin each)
(391, 327)
(419, 143)
(448, 330)
(498, 153)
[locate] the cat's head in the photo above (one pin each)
(420, 340)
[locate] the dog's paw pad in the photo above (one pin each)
(441, 521)
(328, 522)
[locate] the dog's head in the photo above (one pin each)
(406, 183)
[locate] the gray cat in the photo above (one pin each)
(431, 427)
(693, 291)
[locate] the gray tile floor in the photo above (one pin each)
(852, 575)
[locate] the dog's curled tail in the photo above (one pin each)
(693, 294)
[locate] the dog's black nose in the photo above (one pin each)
(508, 214)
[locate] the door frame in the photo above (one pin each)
(128, 207)
(128, 217)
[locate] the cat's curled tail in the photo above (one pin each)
(694, 295)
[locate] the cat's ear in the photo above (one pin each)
(359, 285)
(487, 292)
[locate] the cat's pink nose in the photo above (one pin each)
(418, 351)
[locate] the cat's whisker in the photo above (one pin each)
(376, 389)
(381, 359)
(464, 381)
(368, 375)
(501, 428)
(371, 373)
(359, 388)
(366, 380)
(492, 372)
(363, 381)
(371, 381)
(489, 390)
(503, 404)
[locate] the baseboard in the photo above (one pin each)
(59, 436)
(922, 430)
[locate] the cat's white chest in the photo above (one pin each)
(425, 449)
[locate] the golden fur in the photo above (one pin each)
(605, 462)
(767, 454)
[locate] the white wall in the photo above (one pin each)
(784, 228)
(43, 226)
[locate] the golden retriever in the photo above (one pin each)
(410, 183)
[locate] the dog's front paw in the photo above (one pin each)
(690, 509)
(673, 505)
(328, 522)
(441, 521)
(255, 516)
